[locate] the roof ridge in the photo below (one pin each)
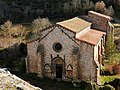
(100, 15)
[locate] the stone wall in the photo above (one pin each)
(98, 59)
(98, 51)
(32, 58)
(87, 64)
(77, 57)
(65, 54)
(100, 21)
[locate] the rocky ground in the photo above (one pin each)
(9, 81)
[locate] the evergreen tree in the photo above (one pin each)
(110, 47)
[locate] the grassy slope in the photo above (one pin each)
(108, 79)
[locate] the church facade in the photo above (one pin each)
(70, 50)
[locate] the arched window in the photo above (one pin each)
(47, 68)
(70, 71)
(69, 67)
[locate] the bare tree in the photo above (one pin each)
(6, 28)
(10, 30)
(100, 6)
(18, 31)
(39, 24)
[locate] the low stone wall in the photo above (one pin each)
(12, 82)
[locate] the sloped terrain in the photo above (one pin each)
(9, 81)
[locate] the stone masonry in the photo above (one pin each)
(61, 52)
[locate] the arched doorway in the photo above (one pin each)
(23, 49)
(58, 67)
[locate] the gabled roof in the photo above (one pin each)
(75, 24)
(51, 29)
(92, 36)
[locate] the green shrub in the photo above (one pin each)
(83, 85)
(107, 79)
(88, 86)
(92, 86)
(107, 87)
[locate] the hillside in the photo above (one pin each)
(27, 10)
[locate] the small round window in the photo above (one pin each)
(57, 47)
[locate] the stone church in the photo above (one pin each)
(70, 50)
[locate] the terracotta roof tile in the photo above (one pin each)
(75, 24)
(93, 36)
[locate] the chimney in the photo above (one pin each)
(100, 21)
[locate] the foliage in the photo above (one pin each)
(107, 79)
(76, 6)
(1, 48)
(92, 86)
(10, 30)
(107, 87)
(117, 2)
(27, 10)
(66, 8)
(117, 31)
(39, 24)
(100, 6)
(19, 65)
(82, 85)
(18, 31)
(116, 57)
(110, 47)
(46, 83)
(6, 28)
(107, 69)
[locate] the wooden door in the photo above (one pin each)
(58, 70)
